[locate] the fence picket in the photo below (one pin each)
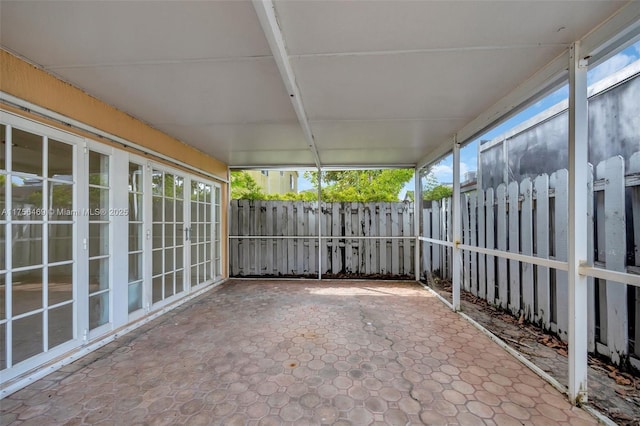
(541, 185)
(234, 243)
(561, 224)
(373, 231)
(634, 167)
(482, 265)
(591, 297)
(426, 247)
(436, 220)
(514, 247)
(406, 243)
(490, 243)
(395, 231)
(526, 246)
(348, 240)
(466, 239)
(503, 292)
(473, 222)
(383, 230)
(616, 253)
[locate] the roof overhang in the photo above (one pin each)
(303, 84)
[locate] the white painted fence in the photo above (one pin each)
(530, 218)
(280, 238)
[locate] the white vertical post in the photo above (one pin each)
(417, 214)
(578, 177)
(319, 223)
(456, 221)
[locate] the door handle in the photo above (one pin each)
(187, 233)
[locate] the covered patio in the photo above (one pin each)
(299, 352)
(144, 108)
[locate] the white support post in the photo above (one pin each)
(319, 219)
(578, 230)
(417, 214)
(457, 223)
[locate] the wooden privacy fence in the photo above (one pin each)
(280, 238)
(531, 218)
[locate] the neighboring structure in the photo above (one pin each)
(276, 181)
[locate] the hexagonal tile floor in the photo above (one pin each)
(298, 352)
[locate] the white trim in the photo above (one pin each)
(605, 274)
(48, 114)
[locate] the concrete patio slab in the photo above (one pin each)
(298, 352)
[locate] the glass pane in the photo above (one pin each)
(157, 236)
(3, 353)
(157, 262)
(200, 253)
(156, 293)
(60, 287)
(168, 285)
(3, 194)
(98, 310)
(201, 217)
(98, 239)
(168, 235)
(3, 299)
(135, 267)
(60, 325)
(179, 257)
(207, 233)
(194, 253)
(26, 152)
(168, 210)
(168, 260)
(2, 246)
(179, 281)
(135, 177)
(135, 296)
(179, 187)
(135, 237)
(156, 182)
(98, 275)
(194, 191)
(26, 198)
(157, 209)
(60, 160)
(3, 145)
(179, 234)
(201, 276)
(135, 207)
(179, 211)
(168, 185)
(207, 213)
(61, 200)
(60, 242)
(217, 195)
(194, 211)
(98, 204)
(27, 337)
(26, 244)
(194, 275)
(98, 169)
(26, 291)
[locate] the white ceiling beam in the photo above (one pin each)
(619, 30)
(265, 9)
(427, 51)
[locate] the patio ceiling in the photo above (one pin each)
(373, 83)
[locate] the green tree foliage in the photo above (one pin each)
(350, 185)
(433, 190)
(361, 185)
(244, 187)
